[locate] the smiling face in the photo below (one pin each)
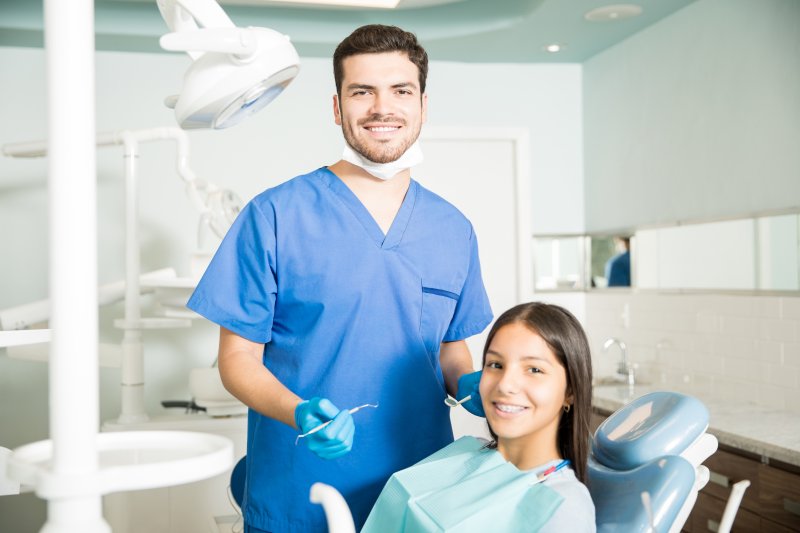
(524, 392)
(381, 110)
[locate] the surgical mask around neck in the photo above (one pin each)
(385, 171)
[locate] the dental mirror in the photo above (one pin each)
(452, 402)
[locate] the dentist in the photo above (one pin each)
(349, 285)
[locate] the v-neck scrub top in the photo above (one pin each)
(349, 314)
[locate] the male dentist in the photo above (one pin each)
(346, 286)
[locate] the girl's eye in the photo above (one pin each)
(493, 364)
(535, 370)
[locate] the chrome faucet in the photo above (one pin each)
(624, 368)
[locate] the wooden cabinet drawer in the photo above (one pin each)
(728, 468)
(779, 496)
(707, 513)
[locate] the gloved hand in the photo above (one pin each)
(468, 385)
(332, 441)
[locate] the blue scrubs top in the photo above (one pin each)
(349, 314)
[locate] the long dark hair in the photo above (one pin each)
(377, 39)
(564, 335)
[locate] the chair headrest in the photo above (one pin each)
(651, 426)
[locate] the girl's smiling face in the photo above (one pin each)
(524, 390)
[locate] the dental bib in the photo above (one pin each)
(385, 171)
(463, 488)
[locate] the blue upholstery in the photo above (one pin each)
(637, 449)
(617, 494)
(237, 481)
(653, 425)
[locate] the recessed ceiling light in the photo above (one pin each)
(613, 12)
(554, 47)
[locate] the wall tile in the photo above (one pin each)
(791, 354)
(790, 308)
(769, 306)
(771, 396)
(736, 390)
(792, 398)
(741, 369)
(769, 352)
(739, 327)
(707, 322)
(782, 376)
(778, 330)
(729, 347)
(709, 364)
(742, 348)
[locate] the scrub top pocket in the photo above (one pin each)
(438, 306)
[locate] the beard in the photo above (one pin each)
(380, 152)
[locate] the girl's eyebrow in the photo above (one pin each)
(524, 358)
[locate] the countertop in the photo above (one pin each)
(771, 434)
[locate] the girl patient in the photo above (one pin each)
(535, 389)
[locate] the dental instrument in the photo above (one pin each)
(452, 402)
(325, 424)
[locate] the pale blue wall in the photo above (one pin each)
(695, 117)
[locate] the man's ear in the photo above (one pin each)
(337, 112)
(424, 107)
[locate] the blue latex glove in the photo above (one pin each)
(468, 385)
(334, 440)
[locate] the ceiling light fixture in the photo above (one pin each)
(613, 12)
(554, 47)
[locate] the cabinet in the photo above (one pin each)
(771, 503)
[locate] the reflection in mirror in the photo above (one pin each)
(611, 261)
(558, 262)
(752, 254)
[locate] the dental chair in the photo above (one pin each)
(645, 468)
(645, 463)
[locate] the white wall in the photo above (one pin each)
(697, 116)
(293, 135)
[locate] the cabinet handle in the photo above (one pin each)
(791, 506)
(712, 525)
(719, 479)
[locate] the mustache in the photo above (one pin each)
(382, 118)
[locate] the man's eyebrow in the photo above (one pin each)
(401, 85)
(359, 86)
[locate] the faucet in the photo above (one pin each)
(624, 368)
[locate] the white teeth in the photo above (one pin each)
(383, 129)
(509, 408)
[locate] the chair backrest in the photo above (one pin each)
(654, 444)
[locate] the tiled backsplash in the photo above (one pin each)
(745, 348)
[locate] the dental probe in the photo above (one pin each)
(324, 424)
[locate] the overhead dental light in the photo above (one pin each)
(235, 71)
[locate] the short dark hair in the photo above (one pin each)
(564, 335)
(378, 39)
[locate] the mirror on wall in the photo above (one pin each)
(759, 253)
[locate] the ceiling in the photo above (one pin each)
(485, 31)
